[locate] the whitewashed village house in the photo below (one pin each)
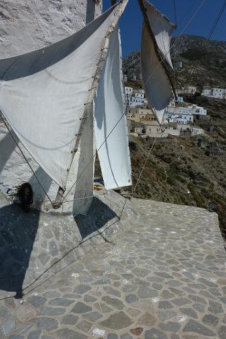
(183, 115)
(187, 90)
(135, 97)
(141, 114)
(217, 93)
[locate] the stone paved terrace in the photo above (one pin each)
(159, 272)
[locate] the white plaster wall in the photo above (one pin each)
(27, 25)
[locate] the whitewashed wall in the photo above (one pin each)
(26, 25)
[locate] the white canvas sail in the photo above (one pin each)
(84, 167)
(43, 93)
(155, 49)
(162, 29)
(110, 121)
(156, 83)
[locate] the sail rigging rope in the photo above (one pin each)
(175, 11)
(181, 33)
(25, 158)
(106, 138)
(92, 90)
(144, 165)
(28, 288)
(93, 157)
(217, 20)
(193, 16)
(83, 241)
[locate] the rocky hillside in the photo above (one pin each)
(188, 171)
(184, 43)
(204, 62)
(131, 66)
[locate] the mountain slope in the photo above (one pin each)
(204, 62)
(189, 171)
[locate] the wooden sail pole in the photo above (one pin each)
(158, 53)
(88, 104)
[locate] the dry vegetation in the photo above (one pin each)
(187, 171)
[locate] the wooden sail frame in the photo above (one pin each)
(89, 102)
(158, 53)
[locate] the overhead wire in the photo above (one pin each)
(193, 16)
(175, 11)
(142, 169)
(10, 131)
(25, 158)
(106, 138)
(181, 33)
(151, 149)
(216, 21)
(148, 79)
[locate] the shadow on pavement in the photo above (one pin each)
(17, 235)
(18, 231)
(98, 216)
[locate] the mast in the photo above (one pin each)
(25, 33)
(160, 57)
(78, 75)
(89, 102)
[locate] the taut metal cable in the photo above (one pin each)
(23, 155)
(175, 11)
(106, 138)
(160, 61)
(92, 159)
(181, 32)
(217, 20)
(144, 165)
(151, 149)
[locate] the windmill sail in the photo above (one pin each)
(83, 168)
(162, 29)
(110, 121)
(43, 93)
(155, 52)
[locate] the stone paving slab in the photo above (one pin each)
(161, 274)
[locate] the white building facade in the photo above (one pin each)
(183, 115)
(217, 93)
(128, 91)
(186, 90)
(135, 97)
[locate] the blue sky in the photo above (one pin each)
(201, 25)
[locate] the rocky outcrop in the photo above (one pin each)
(203, 60)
